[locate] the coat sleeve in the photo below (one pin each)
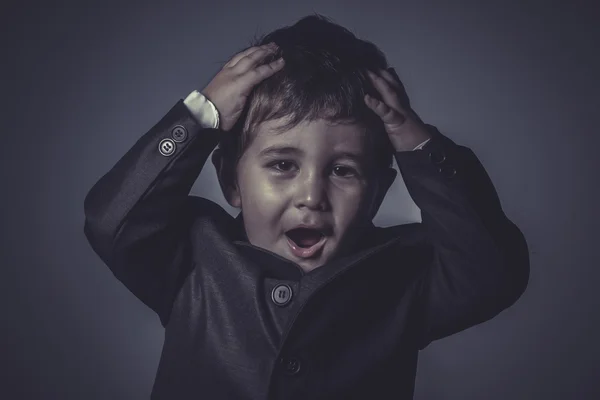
(138, 215)
(480, 262)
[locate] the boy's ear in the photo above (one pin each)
(227, 178)
(386, 178)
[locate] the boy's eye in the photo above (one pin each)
(344, 172)
(283, 166)
(339, 170)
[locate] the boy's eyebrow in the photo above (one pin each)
(289, 150)
(280, 150)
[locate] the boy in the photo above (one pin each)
(301, 296)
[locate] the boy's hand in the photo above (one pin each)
(404, 128)
(229, 89)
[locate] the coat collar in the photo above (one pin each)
(275, 266)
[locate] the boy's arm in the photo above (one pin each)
(481, 260)
(138, 215)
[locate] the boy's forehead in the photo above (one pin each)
(321, 134)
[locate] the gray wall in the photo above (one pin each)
(518, 84)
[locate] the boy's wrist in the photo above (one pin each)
(420, 147)
(203, 110)
(409, 141)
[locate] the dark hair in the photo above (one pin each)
(323, 78)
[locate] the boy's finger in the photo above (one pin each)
(256, 75)
(249, 61)
(239, 56)
(234, 60)
(391, 79)
(388, 115)
(387, 92)
(404, 100)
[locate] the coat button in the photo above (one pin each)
(281, 295)
(437, 157)
(179, 133)
(166, 147)
(290, 366)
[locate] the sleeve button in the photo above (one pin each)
(166, 147)
(447, 172)
(437, 157)
(179, 133)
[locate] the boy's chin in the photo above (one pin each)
(331, 251)
(307, 265)
(308, 262)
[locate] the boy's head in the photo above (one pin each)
(307, 150)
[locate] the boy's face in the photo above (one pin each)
(316, 174)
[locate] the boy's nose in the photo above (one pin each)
(312, 193)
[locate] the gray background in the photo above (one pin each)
(517, 83)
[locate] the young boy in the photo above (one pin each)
(301, 296)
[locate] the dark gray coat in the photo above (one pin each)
(244, 323)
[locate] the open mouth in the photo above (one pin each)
(304, 237)
(305, 242)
